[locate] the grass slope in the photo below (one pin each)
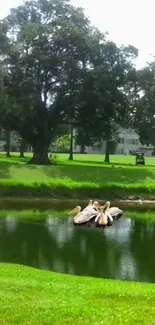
(30, 296)
(87, 176)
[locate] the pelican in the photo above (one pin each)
(103, 218)
(90, 203)
(95, 205)
(113, 211)
(85, 215)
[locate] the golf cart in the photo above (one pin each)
(140, 160)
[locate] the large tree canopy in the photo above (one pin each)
(43, 72)
(145, 106)
(58, 69)
(109, 92)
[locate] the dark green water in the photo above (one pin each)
(124, 251)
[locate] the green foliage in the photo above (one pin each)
(63, 143)
(109, 93)
(58, 69)
(145, 106)
(108, 88)
(4, 40)
(66, 189)
(51, 40)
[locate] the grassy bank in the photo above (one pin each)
(64, 189)
(30, 296)
(85, 177)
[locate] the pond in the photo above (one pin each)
(123, 251)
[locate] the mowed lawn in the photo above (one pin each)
(30, 296)
(99, 159)
(84, 168)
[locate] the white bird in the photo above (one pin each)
(85, 215)
(114, 211)
(103, 218)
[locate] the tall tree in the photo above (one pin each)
(59, 68)
(109, 91)
(44, 71)
(144, 117)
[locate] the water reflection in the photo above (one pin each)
(123, 251)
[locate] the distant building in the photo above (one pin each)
(2, 144)
(129, 143)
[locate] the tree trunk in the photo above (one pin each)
(71, 145)
(82, 148)
(8, 139)
(40, 155)
(107, 157)
(21, 149)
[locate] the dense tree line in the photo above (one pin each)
(58, 70)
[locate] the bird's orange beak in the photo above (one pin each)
(73, 211)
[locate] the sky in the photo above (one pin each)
(127, 21)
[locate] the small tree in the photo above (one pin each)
(8, 142)
(63, 143)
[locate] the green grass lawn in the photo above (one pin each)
(78, 171)
(99, 159)
(87, 175)
(87, 159)
(30, 296)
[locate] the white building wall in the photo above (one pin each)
(2, 143)
(129, 143)
(95, 149)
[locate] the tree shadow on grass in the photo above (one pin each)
(13, 160)
(102, 163)
(96, 174)
(5, 168)
(95, 162)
